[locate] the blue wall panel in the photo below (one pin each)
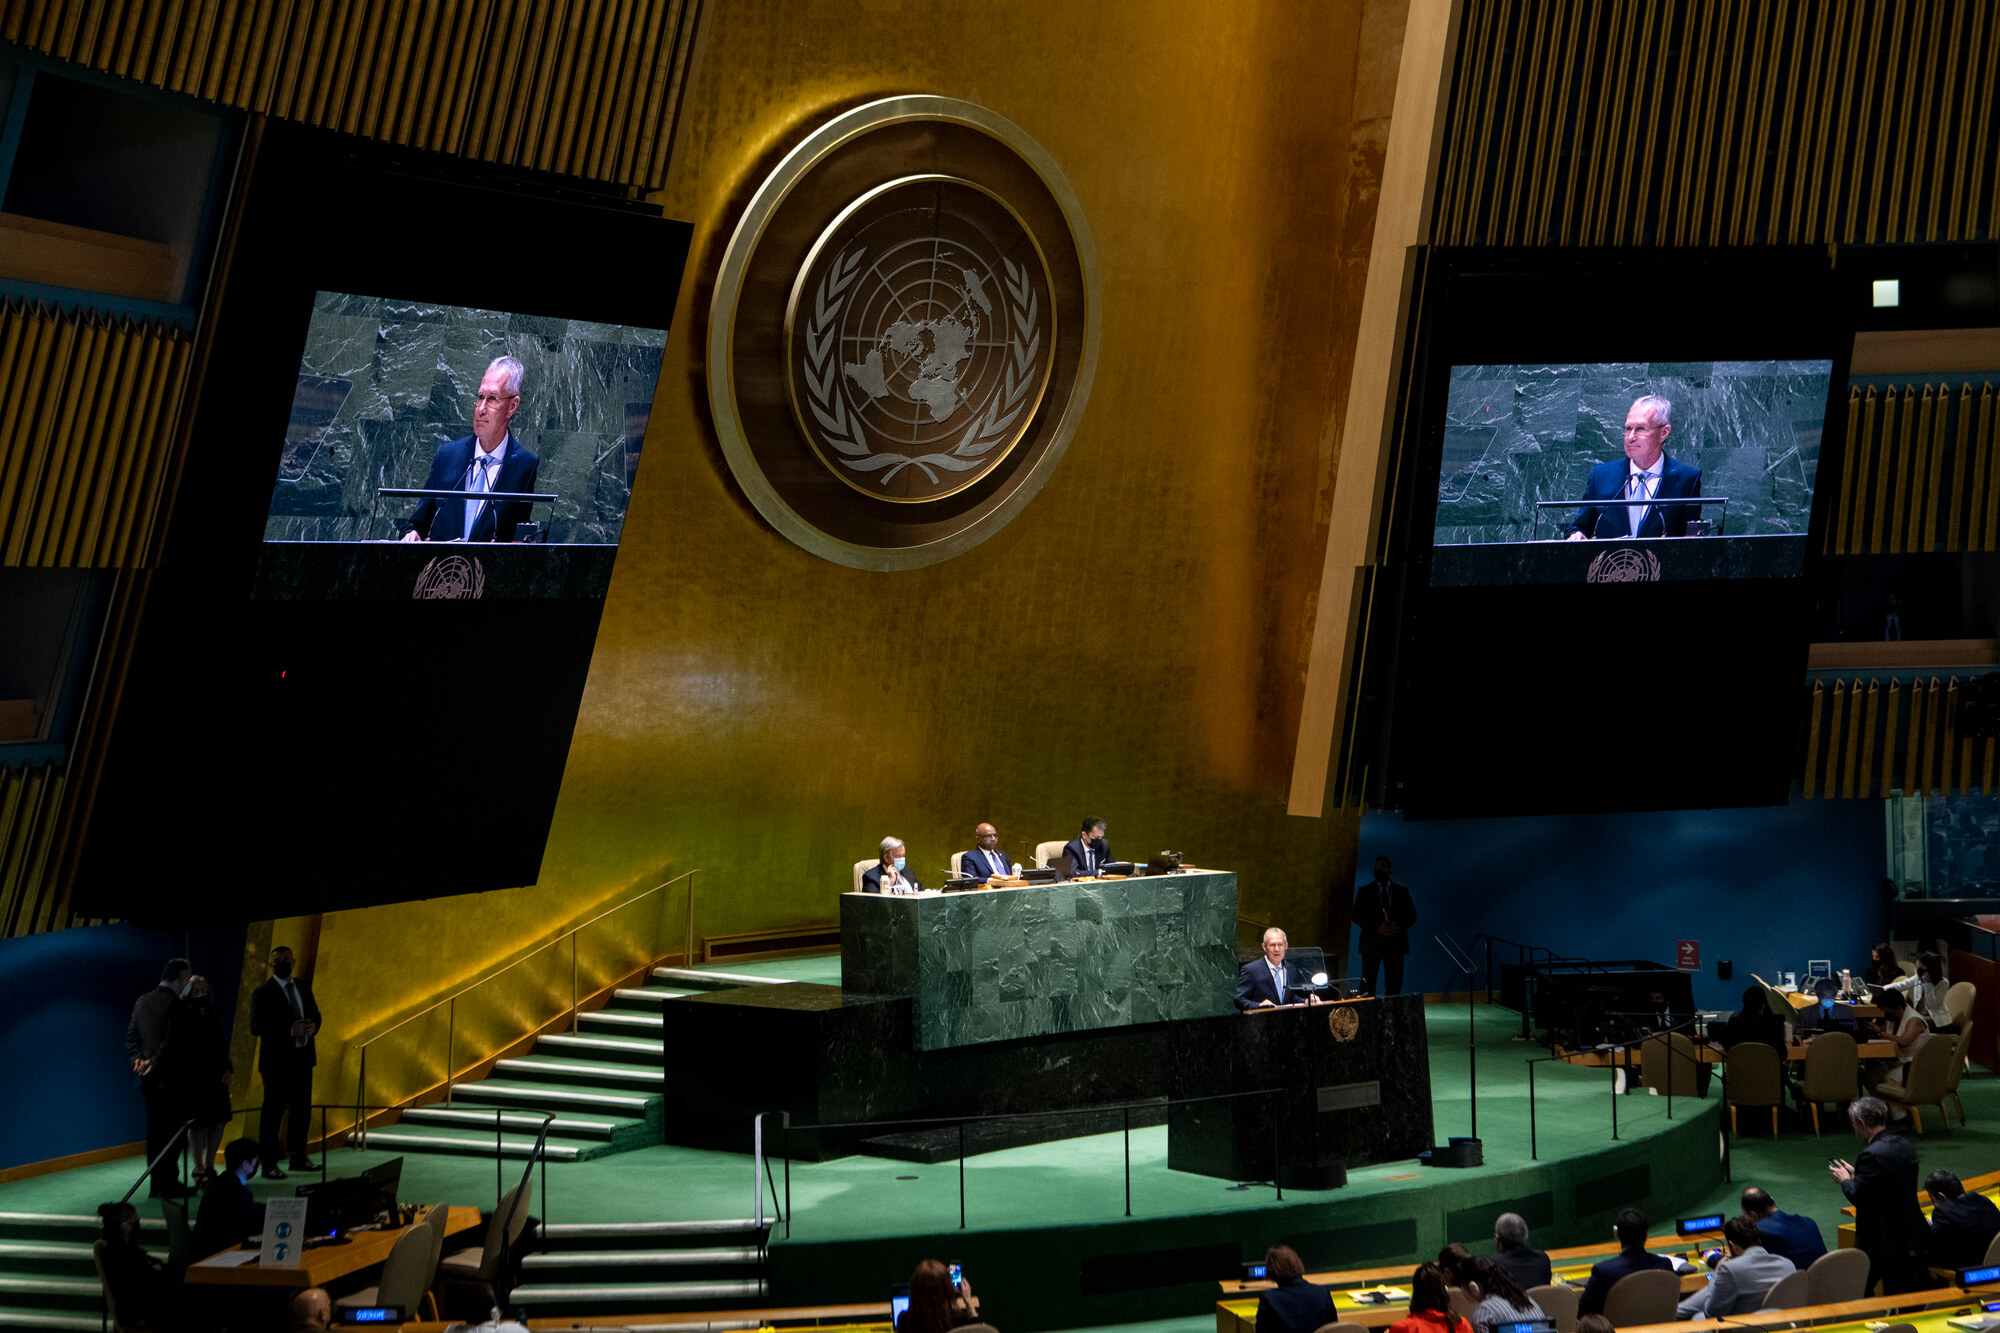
(66, 998)
(1765, 888)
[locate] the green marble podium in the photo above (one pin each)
(1001, 964)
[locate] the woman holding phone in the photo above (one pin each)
(937, 1303)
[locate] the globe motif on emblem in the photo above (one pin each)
(1624, 565)
(450, 577)
(920, 336)
(1343, 1022)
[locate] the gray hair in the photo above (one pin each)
(1868, 1112)
(1510, 1230)
(1269, 931)
(1660, 409)
(887, 843)
(510, 368)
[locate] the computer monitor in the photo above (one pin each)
(384, 1180)
(336, 1207)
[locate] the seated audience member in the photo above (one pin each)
(935, 1305)
(1742, 1280)
(1753, 1022)
(1906, 1027)
(1594, 1323)
(1884, 969)
(1452, 1259)
(1294, 1305)
(134, 1282)
(1496, 1297)
(1787, 1235)
(1962, 1224)
(1528, 1266)
(1430, 1305)
(312, 1311)
(891, 873)
(1925, 992)
(228, 1214)
(1632, 1257)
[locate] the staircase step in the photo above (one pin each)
(533, 1295)
(657, 1231)
(575, 1126)
(649, 995)
(602, 1100)
(703, 980)
(51, 1319)
(49, 1226)
(62, 1292)
(642, 1258)
(433, 1138)
(623, 1021)
(632, 1049)
(589, 1071)
(51, 1258)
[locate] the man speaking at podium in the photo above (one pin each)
(1643, 476)
(498, 463)
(1267, 982)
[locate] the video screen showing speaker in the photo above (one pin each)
(1692, 469)
(407, 410)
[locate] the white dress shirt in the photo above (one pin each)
(1642, 481)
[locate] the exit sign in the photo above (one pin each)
(1687, 955)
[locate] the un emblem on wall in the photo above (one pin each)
(903, 333)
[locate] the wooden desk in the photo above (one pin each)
(1710, 1053)
(847, 1319)
(1941, 1303)
(1988, 1184)
(325, 1263)
(1574, 1257)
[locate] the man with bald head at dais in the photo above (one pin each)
(1633, 485)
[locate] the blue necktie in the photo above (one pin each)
(479, 483)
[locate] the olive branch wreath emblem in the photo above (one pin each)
(843, 430)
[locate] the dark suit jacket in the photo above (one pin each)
(1790, 1236)
(1253, 986)
(1528, 1266)
(871, 880)
(1607, 482)
(1606, 1274)
(227, 1216)
(1888, 1223)
(1754, 1025)
(1372, 908)
(1296, 1306)
(271, 1019)
(444, 520)
(1961, 1229)
(147, 1030)
(1072, 856)
(974, 865)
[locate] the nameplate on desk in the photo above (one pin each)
(1350, 1096)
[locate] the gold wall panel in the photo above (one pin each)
(586, 89)
(31, 806)
(1920, 473)
(1131, 646)
(87, 411)
(1723, 122)
(1912, 724)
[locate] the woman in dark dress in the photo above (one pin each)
(195, 1068)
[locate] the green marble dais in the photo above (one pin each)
(1000, 964)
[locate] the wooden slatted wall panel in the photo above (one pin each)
(88, 405)
(587, 88)
(31, 807)
(1867, 738)
(1922, 471)
(1707, 122)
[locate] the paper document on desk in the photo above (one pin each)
(228, 1259)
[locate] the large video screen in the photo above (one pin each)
(396, 396)
(1628, 472)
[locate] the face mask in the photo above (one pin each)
(282, 970)
(899, 864)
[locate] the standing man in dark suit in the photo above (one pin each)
(1383, 915)
(1086, 853)
(1881, 1183)
(497, 463)
(1528, 1266)
(985, 860)
(1643, 476)
(1632, 1257)
(144, 1035)
(284, 1018)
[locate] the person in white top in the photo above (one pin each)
(1926, 990)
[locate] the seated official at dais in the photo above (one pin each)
(985, 861)
(891, 873)
(1087, 852)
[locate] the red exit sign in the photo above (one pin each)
(1687, 955)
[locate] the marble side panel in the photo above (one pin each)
(382, 383)
(1010, 963)
(1518, 434)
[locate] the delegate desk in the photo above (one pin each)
(1630, 1055)
(1031, 960)
(318, 1266)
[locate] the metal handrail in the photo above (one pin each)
(450, 1002)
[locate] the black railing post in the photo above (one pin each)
(961, 1175)
(1531, 1111)
(1277, 1151)
(499, 1183)
(787, 1123)
(1127, 1110)
(322, 1143)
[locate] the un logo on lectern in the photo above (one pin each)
(903, 332)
